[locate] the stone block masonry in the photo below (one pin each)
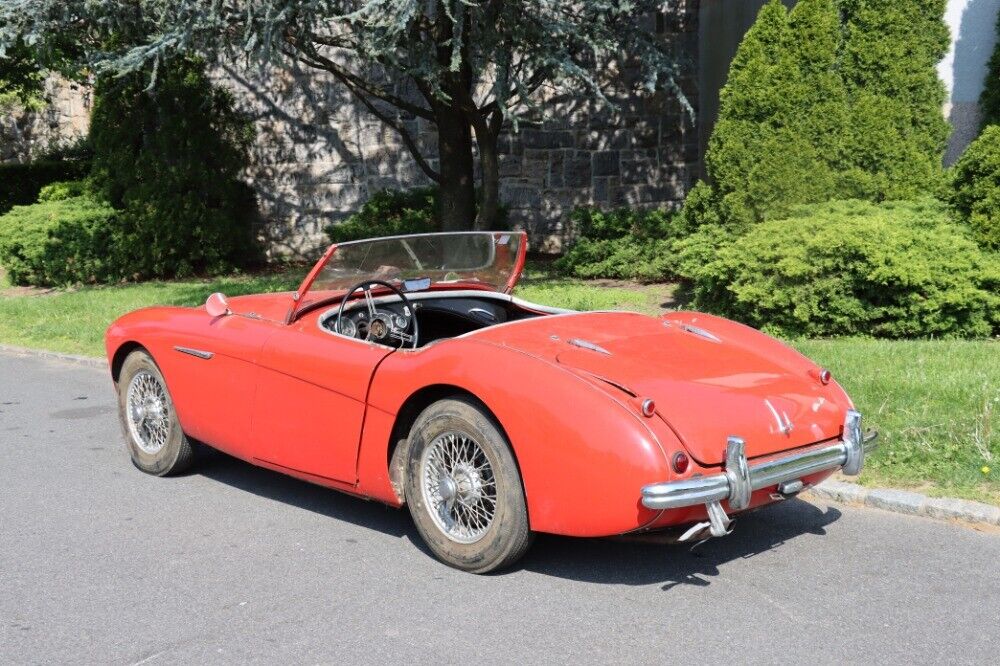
(63, 119)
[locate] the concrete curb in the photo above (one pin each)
(914, 504)
(89, 361)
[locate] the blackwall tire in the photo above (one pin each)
(153, 436)
(464, 489)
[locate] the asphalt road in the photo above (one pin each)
(101, 563)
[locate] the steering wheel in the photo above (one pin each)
(379, 321)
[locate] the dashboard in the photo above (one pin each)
(392, 322)
(388, 322)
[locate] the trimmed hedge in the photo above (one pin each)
(889, 58)
(782, 112)
(21, 183)
(895, 270)
(976, 188)
(61, 241)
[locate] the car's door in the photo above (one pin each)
(310, 400)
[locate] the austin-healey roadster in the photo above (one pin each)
(404, 370)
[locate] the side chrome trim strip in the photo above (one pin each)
(197, 353)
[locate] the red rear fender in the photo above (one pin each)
(583, 454)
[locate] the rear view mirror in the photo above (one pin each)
(416, 284)
(216, 305)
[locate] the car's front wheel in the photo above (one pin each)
(463, 488)
(153, 435)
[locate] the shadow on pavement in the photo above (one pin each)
(623, 563)
(262, 482)
(588, 560)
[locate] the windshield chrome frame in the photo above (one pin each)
(296, 307)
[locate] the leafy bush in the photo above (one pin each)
(169, 158)
(976, 183)
(622, 244)
(396, 212)
(63, 189)
(621, 258)
(60, 241)
(165, 160)
(390, 213)
(895, 270)
(21, 183)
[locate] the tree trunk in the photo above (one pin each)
(458, 188)
(486, 218)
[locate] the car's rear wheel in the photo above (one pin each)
(464, 489)
(153, 434)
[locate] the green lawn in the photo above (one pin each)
(936, 403)
(74, 321)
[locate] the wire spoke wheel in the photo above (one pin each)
(147, 412)
(153, 436)
(458, 487)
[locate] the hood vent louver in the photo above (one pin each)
(586, 344)
(700, 332)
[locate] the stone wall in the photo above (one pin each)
(641, 151)
(318, 155)
(973, 35)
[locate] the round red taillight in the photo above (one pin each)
(648, 407)
(681, 462)
(825, 376)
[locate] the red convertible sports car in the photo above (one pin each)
(403, 370)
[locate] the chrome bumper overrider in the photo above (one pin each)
(740, 479)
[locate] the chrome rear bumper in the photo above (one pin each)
(739, 479)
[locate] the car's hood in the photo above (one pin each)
(709, 378)
(271, 306)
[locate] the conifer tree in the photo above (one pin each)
(989, 99)
(835, 99)
(890, 53)
(783, 112)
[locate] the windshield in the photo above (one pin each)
(489, 258)
(492, 259)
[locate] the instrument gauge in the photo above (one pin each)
(347, 327)
(380, 326)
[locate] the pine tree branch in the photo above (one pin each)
(388, 120)
(342, 73)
